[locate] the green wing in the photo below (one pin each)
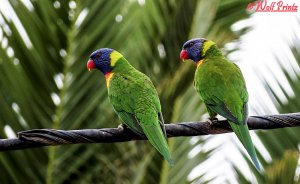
(221, 86)
(136, 102)
(131, 121)
(155, 134)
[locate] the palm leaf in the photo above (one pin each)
(44, 84)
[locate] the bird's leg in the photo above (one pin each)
(211, 121)
(212, 116)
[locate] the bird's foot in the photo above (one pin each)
(211, 121)
(122, 127)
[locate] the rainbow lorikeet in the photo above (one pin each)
(133, 97)
(221, 86)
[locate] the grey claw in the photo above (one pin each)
(121, 127)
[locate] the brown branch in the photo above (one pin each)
(50, 137)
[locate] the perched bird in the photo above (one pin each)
(221, 86)
(133, 97)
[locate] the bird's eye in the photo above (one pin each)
(191, 44)
(98, 55)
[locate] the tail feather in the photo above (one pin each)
(157, 139)
(242, 132)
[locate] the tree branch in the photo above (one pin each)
(50, 137)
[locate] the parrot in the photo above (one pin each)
(133, 97)
(221, 86)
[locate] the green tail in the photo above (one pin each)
(242, 132)
(158, 140)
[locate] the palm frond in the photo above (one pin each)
(44, 83)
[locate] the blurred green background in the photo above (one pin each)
(44, 83)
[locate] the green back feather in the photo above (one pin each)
(136, 102)
(221, 86)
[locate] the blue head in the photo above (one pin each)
(193, 49)
(104, 60)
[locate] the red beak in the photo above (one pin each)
(184, 55)
(90, 65)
